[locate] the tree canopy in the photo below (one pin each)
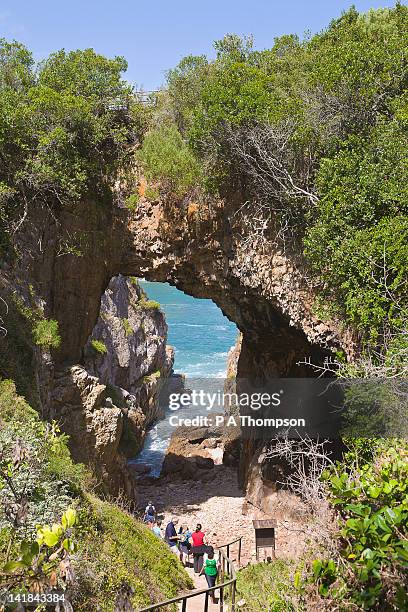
(315, 130)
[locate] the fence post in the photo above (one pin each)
(239, 551)
(206, 602)
(234, 587)
(184, 608)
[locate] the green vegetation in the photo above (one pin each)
(268, 586)
(166, 157)
(17, 350)
(151, 377)
(44, 561)
(70, 120)
(54, 533)
(132, 201)
(313, 133)
(127, 327)
(24, 329)
(99, 347)
(149, 304)
(46, 333)
(369, 491)
(123, 556)
(338, 187)
(152, 193)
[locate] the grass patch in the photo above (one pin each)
(123, 556)
(149, 305)
(268, 586)
(132, 201)
(151, 377)
(152, 194)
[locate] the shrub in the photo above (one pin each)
(127, 327)
(99, 347)
(369, 493)
(132, 201)
(45, 333)
(149, 304)
(43, 562)
(38, 479)
(69, 119)
(167, 158)
(315, 132)
(115, 556)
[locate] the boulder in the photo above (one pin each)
(173, 464)
(138, 468)
(204, 463)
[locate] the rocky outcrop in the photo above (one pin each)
(107, 404)
(193, 453)
(207, 249)
(265, 291)
(95, 426)
(133, 332)
(127, 351)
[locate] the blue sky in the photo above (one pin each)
(154, 35)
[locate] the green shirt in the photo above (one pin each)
(211, 567)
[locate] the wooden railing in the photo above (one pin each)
(228, 582)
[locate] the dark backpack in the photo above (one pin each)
(150, 511)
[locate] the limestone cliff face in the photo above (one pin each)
(95, 426)
(137, 362)
(134, 332)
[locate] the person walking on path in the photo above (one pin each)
(198, 548)
(171, 536)
(157, 529)
(184, 546)
(150, 513)
(210, 570)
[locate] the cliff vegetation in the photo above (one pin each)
(55, 533)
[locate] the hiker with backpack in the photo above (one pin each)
(210, 570)
(150, 513)
(184, 544)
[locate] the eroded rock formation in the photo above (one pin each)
(207, 249)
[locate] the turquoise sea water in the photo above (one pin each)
(201, 337)
(198, 331)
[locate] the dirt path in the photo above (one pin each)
(218, 506)
(196, 604)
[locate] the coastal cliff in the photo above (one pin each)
(203, 250)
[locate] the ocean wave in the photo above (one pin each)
(188, 325)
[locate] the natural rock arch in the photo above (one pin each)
(206, 252)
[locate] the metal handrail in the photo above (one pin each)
(227, 567)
